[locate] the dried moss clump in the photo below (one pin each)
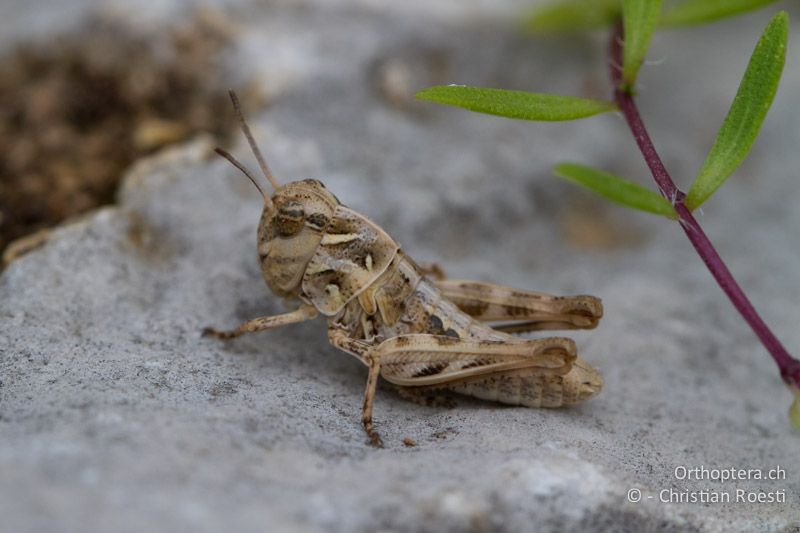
(77, 110)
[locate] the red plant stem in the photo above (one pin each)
(789, 367)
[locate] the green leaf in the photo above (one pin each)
(740, 127)
(616, 189)
(639, 19)
(691, 12)
(794, 410)
(573, 15)
(516, 104)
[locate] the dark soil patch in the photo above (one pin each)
(77, 110)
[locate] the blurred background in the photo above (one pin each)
(116, 415)
(89, 86)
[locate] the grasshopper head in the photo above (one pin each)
(292, 222)
(291, 227)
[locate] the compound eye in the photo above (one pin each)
(290, 219)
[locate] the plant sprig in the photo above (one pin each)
(616, 189)
(734, 140)
(640, 18)
(743, 122)
(693, 12)
(516, 104)
(573, 16)
(582, 15)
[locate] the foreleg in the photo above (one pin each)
(305, 312)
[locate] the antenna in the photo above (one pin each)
(241, 167)
(246, 130)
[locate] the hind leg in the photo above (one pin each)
(522, 310)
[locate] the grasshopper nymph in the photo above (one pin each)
(420, 331)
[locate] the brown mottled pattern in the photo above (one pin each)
(471, 307)
(285, 251)
(409, 303)
(317, 221)
(343, 267)
(431, 369)
(286, 259)
(349, 269)
(419, 307)
(530, 388)
(539, 311)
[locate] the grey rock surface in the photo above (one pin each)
(115, 415)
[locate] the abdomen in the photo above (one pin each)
(533, 387)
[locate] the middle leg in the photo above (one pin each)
(364, 352)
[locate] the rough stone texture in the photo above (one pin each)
(115, 415)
